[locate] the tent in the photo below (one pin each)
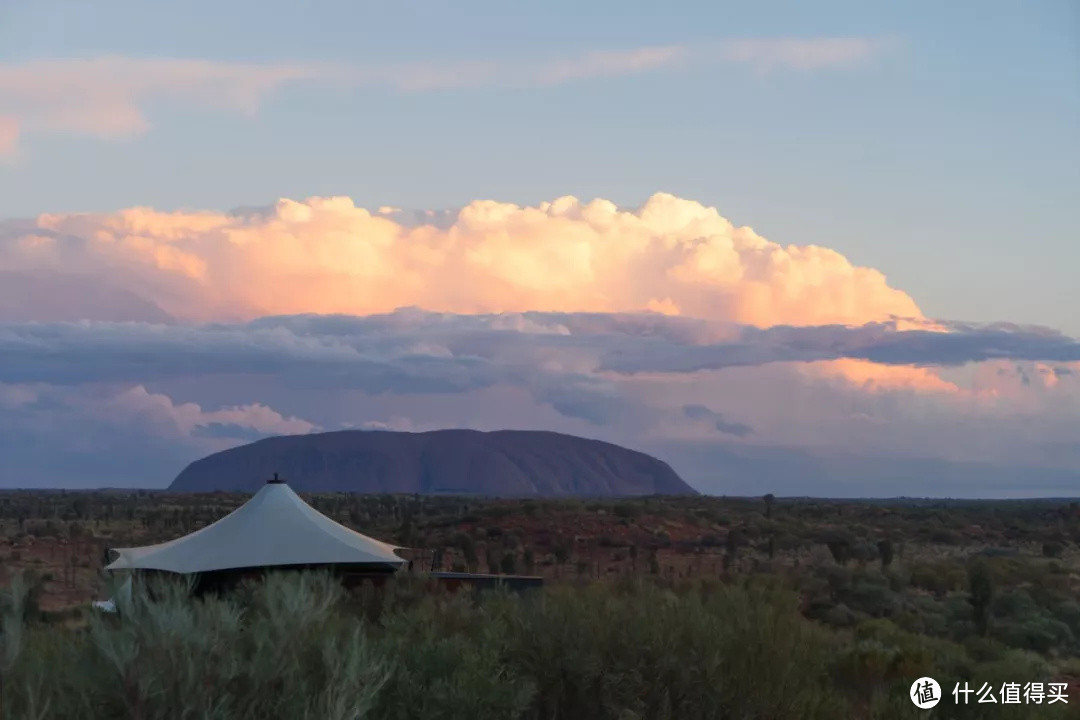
(274, 529)
(109, 606)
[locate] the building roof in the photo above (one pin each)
(274, 528)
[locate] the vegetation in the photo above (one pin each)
(297, 647)
(654, 608)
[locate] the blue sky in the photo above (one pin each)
(936, 143)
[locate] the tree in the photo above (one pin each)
(468, 550)
(981, 591)
(734, 540)
(407, 531)
(562, 553)
(11, 629)
(841, 544)
(841, 550)
(885, 550)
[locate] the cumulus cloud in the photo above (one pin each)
(139, 404)
(326, 255)
(117, 434)
(54, 297)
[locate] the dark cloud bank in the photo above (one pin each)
(421, 353)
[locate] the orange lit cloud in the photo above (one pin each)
(325, 255)
(1021, 382)
(876, 377)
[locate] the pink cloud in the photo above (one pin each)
(107, 96)
(9, 134)
(183, 419)
(767, 54)
(325, 255)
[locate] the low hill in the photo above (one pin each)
(506, 463)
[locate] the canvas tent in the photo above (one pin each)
(109, 606)
(274, 529)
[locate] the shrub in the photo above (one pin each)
(1052, 549)
(292, 646)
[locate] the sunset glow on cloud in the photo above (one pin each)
(325, 255)
(656, 326)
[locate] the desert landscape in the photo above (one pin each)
(970, 586)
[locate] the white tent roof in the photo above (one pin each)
(273, 528)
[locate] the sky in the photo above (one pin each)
(807, 250)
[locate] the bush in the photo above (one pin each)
(1053, 549)
(292, 647)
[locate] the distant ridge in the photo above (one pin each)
(505, 463)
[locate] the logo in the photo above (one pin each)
(925, 693)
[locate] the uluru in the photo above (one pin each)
(502, 463)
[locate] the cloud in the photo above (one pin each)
(106, 96)
(52, 297)
(608, 64)
(9, 134)
(878, 377)
(109, 96)
(117, 435)
(137, 404)
(325, 255)
(804, 54)
(416, 351)
(697, 411)
(880, 343)
(77, 390)
(14, 396)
